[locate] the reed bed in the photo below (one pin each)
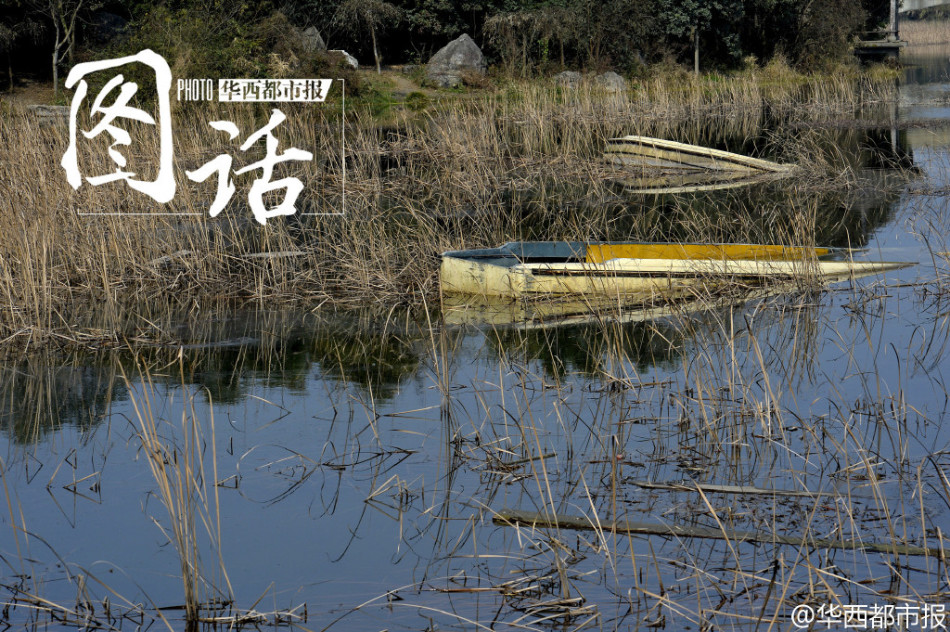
(926, 32)
(188, 490)
(519, 162)
(744, 443)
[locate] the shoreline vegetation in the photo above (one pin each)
(511, 155)
(459, 171)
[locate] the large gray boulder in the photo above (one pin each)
(569, 78)
(348, 59)
(311, 40)
(611, 82)
(454, 60)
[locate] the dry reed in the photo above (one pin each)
(189, 493)
(733, 415)
(925, 32)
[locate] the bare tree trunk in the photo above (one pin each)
(696, 51)
(71, 31)
(56, 45)
(372, 32)
(65, 26)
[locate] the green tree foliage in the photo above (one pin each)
(715, 22)
(18, 27)
(768, 27)
(618, 34)
(371, 15)
(809, 32)
(213, 38)
(590, 33)
(432, 23)
(614, 33)
(825, 30)
(234, 43)
(524, 36)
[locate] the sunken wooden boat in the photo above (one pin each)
(658, 182)
(665, 166)
(526, 269)
(667, 154)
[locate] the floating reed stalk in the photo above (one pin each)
(537, 520)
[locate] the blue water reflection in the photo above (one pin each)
(359, 458)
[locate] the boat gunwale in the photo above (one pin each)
(743, 268)
(507, 252)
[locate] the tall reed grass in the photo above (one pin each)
(925, 32)
(187, 489)
(746, 428)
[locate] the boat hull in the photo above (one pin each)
(644, 151)
(500, 272)
(474, 277)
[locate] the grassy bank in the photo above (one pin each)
(461, 171)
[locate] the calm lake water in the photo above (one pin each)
(360, 457)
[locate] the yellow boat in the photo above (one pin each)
(524, 269)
